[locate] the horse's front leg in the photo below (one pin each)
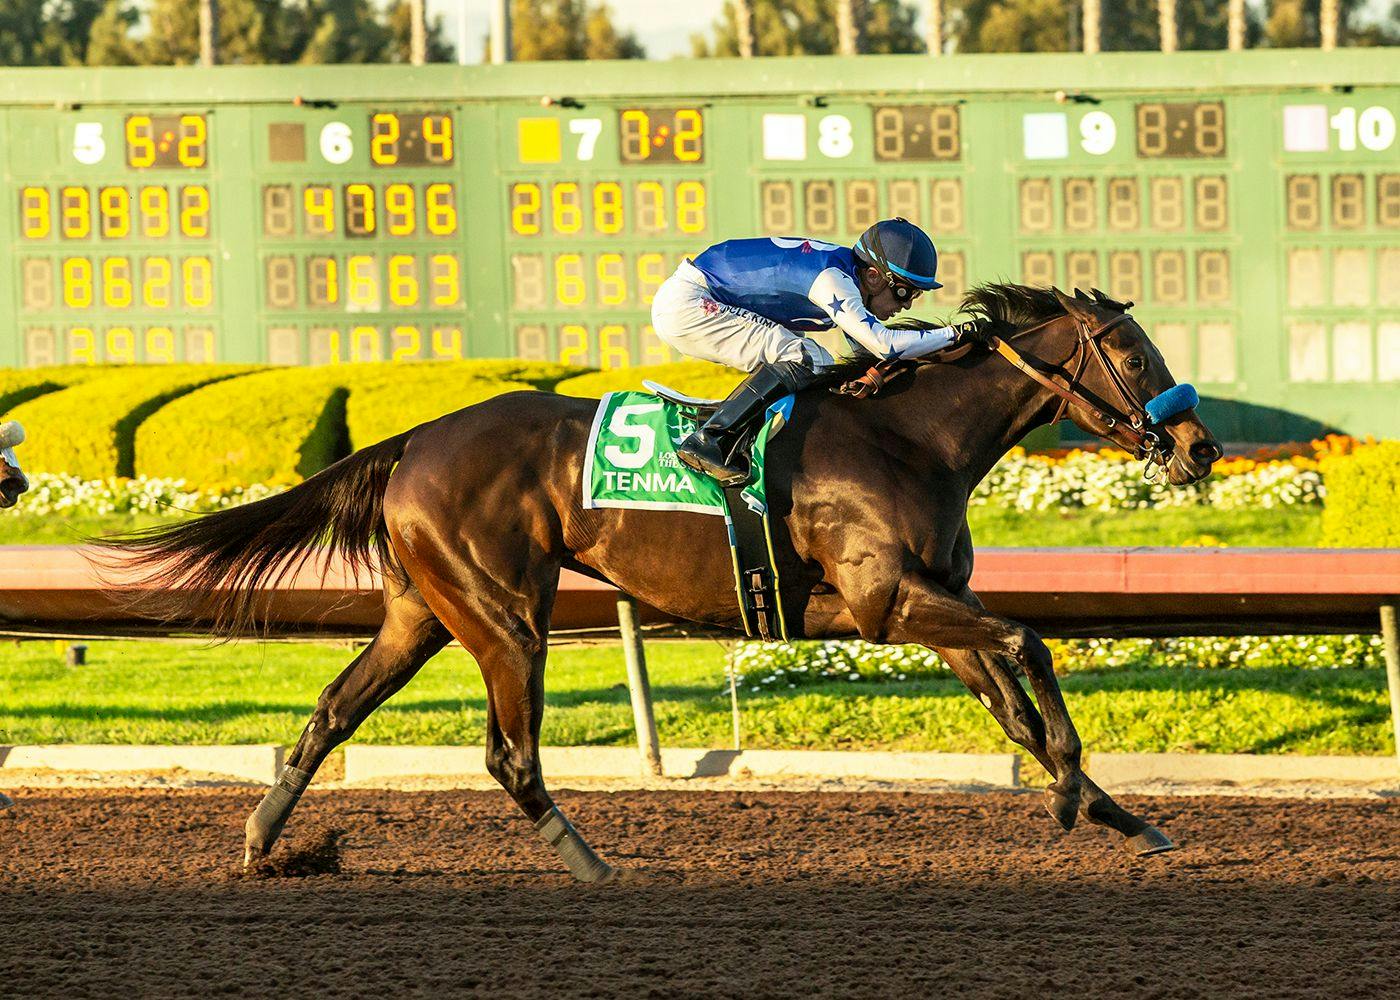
(923, 611)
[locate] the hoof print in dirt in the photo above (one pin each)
(320, 857)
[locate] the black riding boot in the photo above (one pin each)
(711, 449)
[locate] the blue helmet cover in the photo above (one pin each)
(1166, 405)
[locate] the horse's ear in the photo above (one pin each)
(1081, 296)
(1074, 306)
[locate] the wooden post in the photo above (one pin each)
(934, 33)
(643, 717)
(1093, 19)
(847, 28)
(417, 34)
(501, 48)
(1166, 24)
(1390, 637)
(208, 32)
(1236, 25)
(743, 26)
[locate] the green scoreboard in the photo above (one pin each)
(1249, 203)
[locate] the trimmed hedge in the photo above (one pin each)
(695, 378)
(20, 385)
(278, 427)
(89, 429)
(378, 410)
(1362, 505)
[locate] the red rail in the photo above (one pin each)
(1098, 591)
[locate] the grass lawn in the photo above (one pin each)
(145, 692)
(1285, 526)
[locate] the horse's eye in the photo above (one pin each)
(1134, 363)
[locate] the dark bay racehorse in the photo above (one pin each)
(12, 480)
(472, 516)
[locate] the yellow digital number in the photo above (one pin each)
(690, 129)
(568, 211)
(690, 207)
(406, 343)
(319, 203)
(636, 135)
(525, 209)
(447, 342)
(442, 209)
(437, 135)
(384, 146)
(77, 282)
(156, 279)
(76, 208)
(569, 286)
(120, 345)
(117, 291)
(612, 279)
(197, 274)
(155, 212)
(607, 208)
(34, 204)
(160, 344)
(398, 206)
(361, 282)
(613, 350)
(140, 141)
(573, 344)
(82, 346)
(114, 206)
(193, 150)
(322, 281)
(359, 209)
(445, 273)
(651, 272)
(194, 211)
(403, 280)
(199, 345)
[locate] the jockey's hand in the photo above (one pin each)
(973, 331)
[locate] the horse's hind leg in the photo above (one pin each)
(408, 639)
(992, 679)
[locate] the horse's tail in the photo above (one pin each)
(214, 565)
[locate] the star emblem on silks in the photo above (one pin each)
(834, 306)
(893, 355)
(710, 306)
(870, 320)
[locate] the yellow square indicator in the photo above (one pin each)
(539, 140)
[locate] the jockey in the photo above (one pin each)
(748, 303)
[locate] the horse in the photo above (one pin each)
(471, 517)
(12, 481)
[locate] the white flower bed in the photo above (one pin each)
(760, 666)
(57, 494)
(1112, 481)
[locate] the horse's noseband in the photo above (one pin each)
(1135, 420)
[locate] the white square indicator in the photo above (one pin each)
(785, 137)
(1305, 128)
(1046, 135)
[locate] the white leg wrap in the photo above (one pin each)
(560, 834)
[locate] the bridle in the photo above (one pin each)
(1130, 419)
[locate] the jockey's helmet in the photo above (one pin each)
(901, 252)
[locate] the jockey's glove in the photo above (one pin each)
(973, 331)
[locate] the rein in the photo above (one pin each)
(1134, 425)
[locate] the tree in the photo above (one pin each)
(109, 41)
(544, 30)
(808, 27)
(1025, 26)
(46, 33)
(1297, 24)
(400, 22)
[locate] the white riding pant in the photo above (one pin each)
(686, 316)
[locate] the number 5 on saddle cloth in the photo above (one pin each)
(631, 462)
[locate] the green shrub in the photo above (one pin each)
(1361, 508)
(695, 378)
(540, 374)
(378, 409)
(274, 427)
(89, 429)
(19, 385)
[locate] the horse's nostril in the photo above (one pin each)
(1206, 452)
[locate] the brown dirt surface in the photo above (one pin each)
(756, 894)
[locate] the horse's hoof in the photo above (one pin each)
(1064, 808)
(1149, 842)
(252, 856)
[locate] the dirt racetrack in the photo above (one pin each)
(137, 893)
